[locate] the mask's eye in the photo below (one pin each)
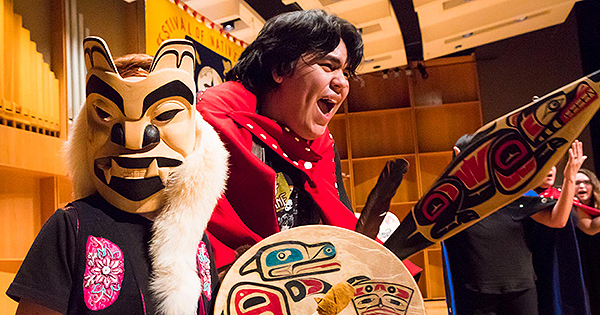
(102, 114)
(102, 110)
(168, 115)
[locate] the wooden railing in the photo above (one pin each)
(29, 91)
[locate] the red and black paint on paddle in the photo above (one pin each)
(506, 158)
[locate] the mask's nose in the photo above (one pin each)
(133, 137)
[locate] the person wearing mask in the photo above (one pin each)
(147, 172)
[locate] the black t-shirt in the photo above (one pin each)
(293, 204)
(45, 277)
(493, 255)
(57, 271)
(589, 246)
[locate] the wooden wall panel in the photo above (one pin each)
(7, 305)
(431, 166)
(383, 132)
(446, 84)
(369, 92)
(31, 151)
(20, 213)
(366, 173)
(438, 127)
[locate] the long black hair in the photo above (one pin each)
(287, 37)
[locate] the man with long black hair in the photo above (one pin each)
(272, 114)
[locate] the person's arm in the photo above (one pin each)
(586, 223)
(30, 308)
(558, 216)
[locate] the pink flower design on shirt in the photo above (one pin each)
(204, 270)
(103, 275)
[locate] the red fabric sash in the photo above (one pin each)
(554, 193)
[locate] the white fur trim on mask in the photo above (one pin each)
(191, 194)
(75, 153)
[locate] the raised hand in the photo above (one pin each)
(557, 216)
(576, 159)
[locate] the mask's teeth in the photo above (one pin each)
(164, 174)
(152, 169)
(108, 171)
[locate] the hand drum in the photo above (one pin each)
(284, 273)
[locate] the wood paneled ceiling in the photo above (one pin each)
(443, 26)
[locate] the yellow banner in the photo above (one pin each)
(167, 20)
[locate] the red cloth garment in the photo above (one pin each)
(589, 210)
(246, 214)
